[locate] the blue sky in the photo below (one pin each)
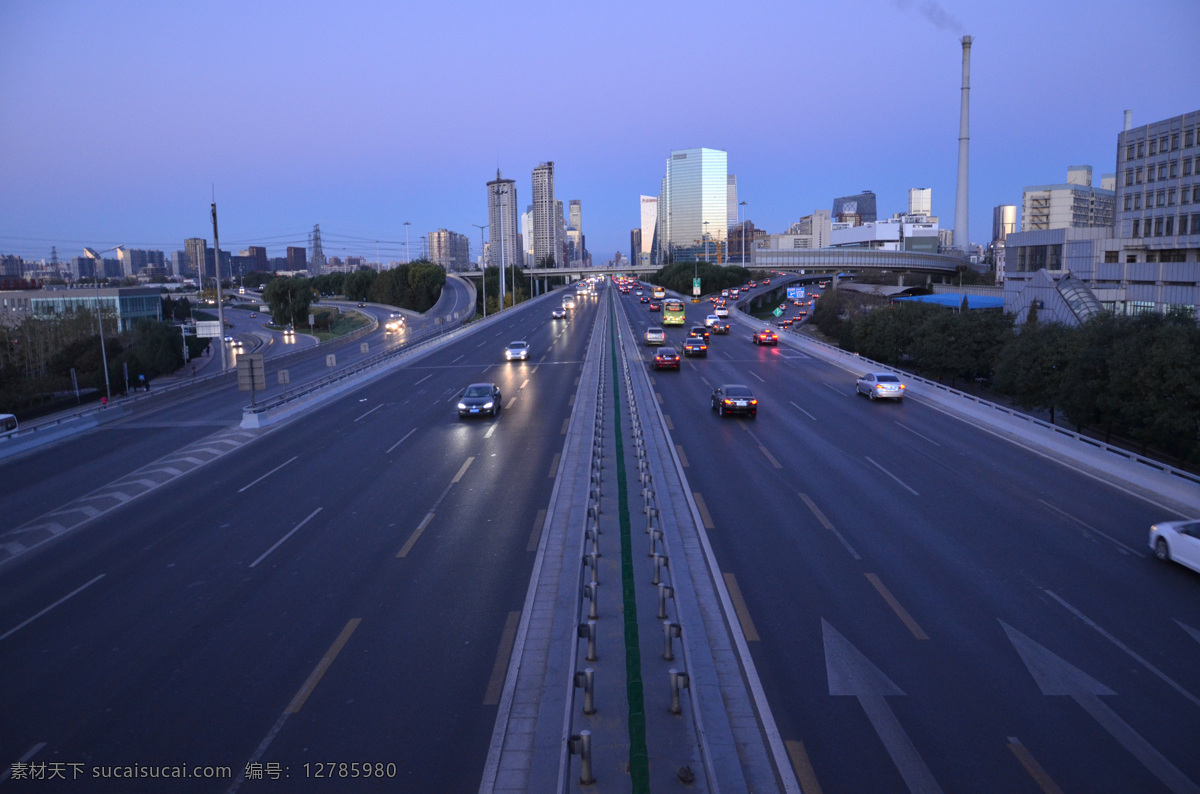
(120, 118)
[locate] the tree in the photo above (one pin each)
(1031, 366)
(546, 261)
(357, 285)
(289, 299)
(425, 282)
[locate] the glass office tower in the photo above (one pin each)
(692, 206)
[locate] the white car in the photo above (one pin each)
(711, 320)
(1178, 541)
(558, 314)
(656, 336)
(880, 385)
(568, 302)
(517, 351)
(721, 312)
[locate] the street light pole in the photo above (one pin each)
(407, 253)
(98, 259)
(482, 266)
(706, 241)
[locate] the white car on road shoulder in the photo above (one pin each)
(1178, 541)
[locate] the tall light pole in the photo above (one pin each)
(407, 255)
(743, 229)
(98, 259)
(482, 266)
(706, 241)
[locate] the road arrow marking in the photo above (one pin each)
(850, 673)
(1055, 676)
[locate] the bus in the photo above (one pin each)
(673, 313)
(659, 293)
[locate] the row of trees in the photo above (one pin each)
(1134, 377)
(415, 286)
(713, 278)
(38, 355)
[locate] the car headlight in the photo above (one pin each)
(488, 404)
(462, 406)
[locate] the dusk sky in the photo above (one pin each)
(120, 118)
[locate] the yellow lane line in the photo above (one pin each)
(900, 611)
(315, 676)
(554, 465)
(770, 457)
(1034, 769)
(669, 423)
(496, 682)
(739, 606)
(464, 468)
(802, 767)
(703, 508)
(412, 539)
(536, 535)
(682, 457)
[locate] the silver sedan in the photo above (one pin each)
(880, 385)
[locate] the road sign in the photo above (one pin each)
(695, 286)
(208, 328)
(795, 293)
(777, 311)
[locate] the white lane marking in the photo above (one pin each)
(23, 759)
(368, 413)
(401, 441)
(801, 410)
(918, 435)
(455, 361)
(1087, 621)
(268, 474)
(510, 403)
(491, 430)
(893, 476)
(524, 384)
(835, 388)
(26, 622)
(285, 537)
(481, 344)
(825, 522)
(422, 380)
(760, 380)
(463, 470)
(1090, 528)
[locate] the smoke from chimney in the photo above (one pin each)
(934, 13)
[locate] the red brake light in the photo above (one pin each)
(754, 402)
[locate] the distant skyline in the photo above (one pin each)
(122, 118)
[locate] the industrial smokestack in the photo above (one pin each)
(1128, 120)
(962, 234)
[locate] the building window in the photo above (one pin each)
(1174, 141)
(1128, 177)
(1160, 198)
(1170, 230)
(1184, 195)
(1137, 175)
(1187, 167)
(1153, 148)
(1187, 139)
(1158, 227)
(1129, 151)
(1162, 170)
(1162, 143)
(1151, 257)
(1136, 228)
(1110, 257)
(1174, 169)
(1196, 224)
(1141, 148)
(1170, 198)
(1137, 201)
(1128, 202)
(1131, 259)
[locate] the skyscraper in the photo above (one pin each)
(576, 219)
(693, 203)
(545, 216)
(731, 203)
(502, 220)
(449, 250)
(196, 250)
(920, 201)
(641, 256)
(857, 209)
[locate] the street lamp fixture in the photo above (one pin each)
(98, 259)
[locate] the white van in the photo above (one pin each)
(8, 424)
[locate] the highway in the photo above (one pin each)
(932, 608)
(929, 607)
(336, 589)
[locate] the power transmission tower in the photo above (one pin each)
(317, 261)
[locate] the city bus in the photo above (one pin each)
(673, 313)
(659, 293)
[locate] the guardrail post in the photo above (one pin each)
(587, 680)
(655, 536)
(588, 631)
(660, 562)
(592, 562)
(665, 591)
(581, 745)
(679, 681)
(590, 592)
(670, 631)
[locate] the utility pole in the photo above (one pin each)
(407, 252)
(482, 266)
(220, 299)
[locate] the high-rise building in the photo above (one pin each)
(635, 245)
(576, 219)
(641, 256)
(450, 250)
(196, 249)
(527, 236)
(258, 258)
(504, 248)
(731, 202)
(1004, 221)
(920, 201)
(1074, 204)
(545, 216)
(297, 259)
(693, 206)
(857, 209)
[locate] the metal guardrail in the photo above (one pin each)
(1033, 420)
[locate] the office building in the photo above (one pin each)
(920, 201)
(1004, 222)
(297, 259)
(576, 214)
(693, 206)
(527, 235)
(731, 201)
(258, 258)
(649, 208)
(449, 250)
(504, 241)
(857, 209)
(1075, 203)
(545, 217)
(635, 245)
